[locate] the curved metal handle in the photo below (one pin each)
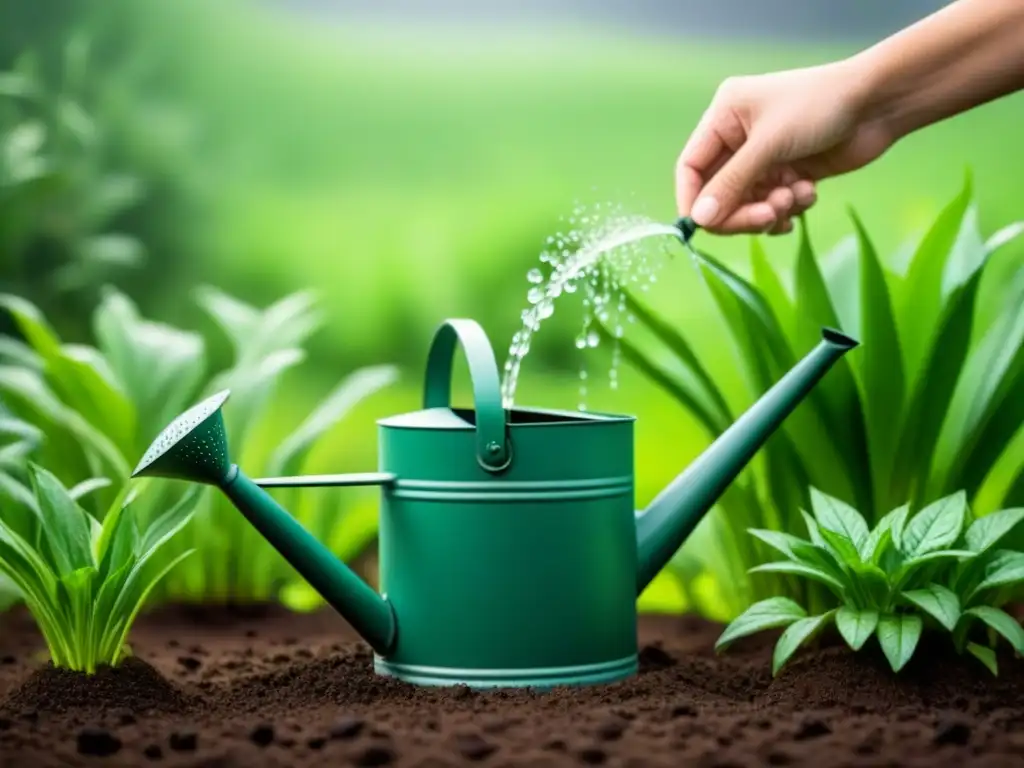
(492, 446)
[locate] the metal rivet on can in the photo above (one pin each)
(493, 448)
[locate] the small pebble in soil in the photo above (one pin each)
(262, 735)
(97, 742)
(184, 742)
(592, 756)
(375, 754)
(474, 747)
(953, 733)
(812, 729)
(347, 728)
(610, 731)
(683, 710)
(191, 663)
(153, 752)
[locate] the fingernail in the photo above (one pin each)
(704, 211)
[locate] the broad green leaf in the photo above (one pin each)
(766, 357)
(933, 391)
(159, 366)
(936, 526)
(920, 304)
(139, 599)
(836, 393)
(881, 362)
(841, 547)
(856, 626)
(65, 524)
(169, 523)
(289, 457)
(18, 352)
(985, 655)
(938, 602)
(795, 635)
(982, 389)
(987, 531)
(840, 517)
(887, 529)
(898, 635)
(258, 335)
(1006, 567)
(251, 388)
(81, 384)
(685, 392)
(1001, 622)
(939, 554)
(800, 569)
(766, 614)
(767, 282)
(791, 546)
(872, 582)
(86, 487)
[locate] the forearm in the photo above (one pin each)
(969, 53)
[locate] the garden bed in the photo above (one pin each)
(275, 689)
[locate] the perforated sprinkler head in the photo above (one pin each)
(192, 447)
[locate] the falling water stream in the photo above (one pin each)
(604, 253)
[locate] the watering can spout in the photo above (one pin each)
(675, 512)
(194, 448)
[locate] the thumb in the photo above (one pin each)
(725, 191)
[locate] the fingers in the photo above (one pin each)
(769, 212)
(724, 192)
(699, 158)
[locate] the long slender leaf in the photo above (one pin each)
(796, 635)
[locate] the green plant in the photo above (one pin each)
(932, 402)
(939, 568)
(89, 412)
(61, 197)
(83, 580)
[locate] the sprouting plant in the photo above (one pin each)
(939, 568)
(82, 580)
(931, 403)
(89, 412)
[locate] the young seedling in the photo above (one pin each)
(85, 581)
(938, 568)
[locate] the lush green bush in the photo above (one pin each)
(89, 412)
(932, 402)
(939, 569)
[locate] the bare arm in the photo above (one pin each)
(765, 141)
(967, 54)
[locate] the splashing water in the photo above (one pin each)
(601, 254)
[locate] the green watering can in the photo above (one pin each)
(510, 552)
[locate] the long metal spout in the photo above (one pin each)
(368, 613)
(675, 512)
(193, 447)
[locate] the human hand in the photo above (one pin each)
(753, 161)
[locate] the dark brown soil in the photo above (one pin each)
(267, 688)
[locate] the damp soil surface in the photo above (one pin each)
(269, 688)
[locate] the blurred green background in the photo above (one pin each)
(409, 169)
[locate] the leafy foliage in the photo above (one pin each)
(84, 581)
(89, 412)
(61, 197)
(932, 402)
(938, 568)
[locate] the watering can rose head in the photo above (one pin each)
(466, 494)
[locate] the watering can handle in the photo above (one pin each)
(492, 446)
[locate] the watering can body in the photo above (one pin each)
(510, 553)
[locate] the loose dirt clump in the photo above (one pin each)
(264, 687)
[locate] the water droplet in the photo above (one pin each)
(593, 338)
(535, 276)
(581, 342)
(546, 308)
(583, 374)
(536, 294)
